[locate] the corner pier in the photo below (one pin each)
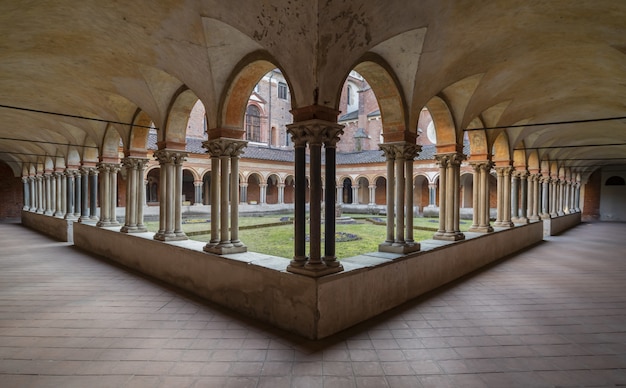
(258, 285)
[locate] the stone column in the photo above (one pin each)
(340, 194)
(84, 187)
(533, 194)
(93, 194)
(372, 195)
(390, 156)
(170, 195)
(567, 204)
(504, 197)
(225, 188)
(197, 197)
(47, 196)
(108, 194)
(545, 197)
(523, 218)
(281, 193)
(262, 193)
(77, 194)
(355, 195)
(515, 179)
(449, 178)
(330, 139)
(315, 132)
(135, 195)
(33, 194)
(432, 195)
(577, 197)
(69, 209)
(481, 197)
(560, 198)
(243, 190)
(25, 193)
(39, 180)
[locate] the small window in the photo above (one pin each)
(615, 181)
(253, 123)
(282, 90)
(349, 96)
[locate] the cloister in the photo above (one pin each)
(526, 102)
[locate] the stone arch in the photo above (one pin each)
(254, 179)
(72, 158)
(363, 192)
(392, 104)
(234, 101)
(501, 150)
(271, 191)
(174, 133)
(110, 145)
(533, 161)
(448, 138)
(478, 141)
(137, 142)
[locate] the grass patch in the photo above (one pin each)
(273, 234)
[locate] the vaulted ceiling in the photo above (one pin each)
(554, 71)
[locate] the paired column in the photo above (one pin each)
(135, 194)
(545, 197)
(281, 193)
(47, 181)
(315, 132)
(26, 193)
(225, 155)
(481, 197)
(84, 190)
(40, 204)
(449, 179)
(108, 194)
(170, 195)
(33, 193)
(399, 158)
(372, 194)
(197, 186)
(561, 198)
(503, 218)
(534, 196)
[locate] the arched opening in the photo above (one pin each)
(254, 189)
(188, 187)
(347, 190)
(289, 189)
(380, 193)
(152, 187)
(364, 195)
(420, 193)
(467, 190)
(206, 188)
(272, 189)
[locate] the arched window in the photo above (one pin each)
(615, 181)
(253, 123)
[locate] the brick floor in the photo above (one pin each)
(554, 315)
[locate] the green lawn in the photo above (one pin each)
(278, 240)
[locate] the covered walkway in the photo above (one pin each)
(554, 315)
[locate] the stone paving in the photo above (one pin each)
(554, 315)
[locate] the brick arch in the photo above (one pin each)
(448, 139)
(110, 145)
(235, 100)
(137, 142)
(391, 101)
(174, 134)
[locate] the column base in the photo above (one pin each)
(106, 224)
(481, 229)
(169, 237)
(449, 236)
(48, 212)
(520, 220)
(314, 271)
(71, 218)
(402, 248)
(225, 249)
(503, 224)
(560, 213)
(545, 216)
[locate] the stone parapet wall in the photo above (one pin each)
(258, 286)
(557, 225)
(57, 228)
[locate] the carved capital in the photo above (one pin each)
(225, 147)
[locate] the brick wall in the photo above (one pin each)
(11, 197)
(591, 202)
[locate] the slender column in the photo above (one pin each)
(560, 197)
(141, 193)
(25, 193)
(577, 197)
(390, 156)
(197, 186)
(130, 220)
(115, 168)
(263, 193)
(545, 197)
(47, 189)
(566, 189)
(432, 195)
(481, 200)
(515, 179)
(234, 197)
(298, 137)
(243, 188)
(408, 194)
(281, 193)
(215, 201)
(225, 199)
(476, 205)
(372, 195)
(523, 219)
(504, 196)
(331, 136)
(33, 193)
(84, 210)
(533, 194)
(93, 194)
(105, 189)
(499, 196)
(40, 208)
(69, 214)
(315, 132)
(178, 196)
(340, 194)
(77, 193)
(355, 194)
(400, 197)
(449, 220)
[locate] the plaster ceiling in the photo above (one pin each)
(506, 62)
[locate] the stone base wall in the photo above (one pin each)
(57, 228)
(258, 286)
(557, 225)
